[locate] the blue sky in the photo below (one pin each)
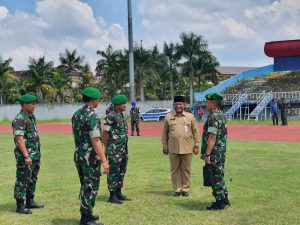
(235, 30)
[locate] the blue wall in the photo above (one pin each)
(287, 63)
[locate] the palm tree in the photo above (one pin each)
(6, 78)
(60, 81)
(39, 75)
(111, 68)
(190, 49)
(86, 76)
(172, 59)
(70, 60)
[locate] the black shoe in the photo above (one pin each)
(94, 217)
(113, 198)
(21, 208)
(138, 134)
(185, 193)
(121, 196)
(132, 134)
(218, 205)
(226, 200)
(88, 220)
(176, 194)
(30, 204)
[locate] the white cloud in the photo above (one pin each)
(3, 12)
(236, 30)
(56, 25)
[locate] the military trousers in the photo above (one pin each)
(117, 170)
(219, 190)
(181, 171)
(135, 125)
(26, 178)
(89, 176)
(283, 119)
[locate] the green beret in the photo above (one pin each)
(27, 98)
(91, 92)
(119, 99)
(214, 96)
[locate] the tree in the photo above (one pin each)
(7, 79)
(191, 48)
(111, 69)
(39, 75)
(60, 81)
(70, 60)
(86, 77)
(172, 58)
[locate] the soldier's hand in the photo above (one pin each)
(28, 161)
(207, 160)
(166, 151)
(105, 167)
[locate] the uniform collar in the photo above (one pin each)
(183, 113)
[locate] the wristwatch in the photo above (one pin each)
(196, 146)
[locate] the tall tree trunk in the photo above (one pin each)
(142, 91)
(163, 91)
(191, 87)
(172, 87)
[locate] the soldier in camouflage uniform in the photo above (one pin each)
(88, 153)
(115, 140)
(135, 117)
(213, 149)
(27, 154)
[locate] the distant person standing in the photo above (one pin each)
(180, 139)
(274, 111)
(135, 117)
(200, 113)
(27, 154)
(283, 112)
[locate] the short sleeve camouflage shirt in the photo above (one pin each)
(25, 125)
(116, 125)
(85, 126)
(216, 124)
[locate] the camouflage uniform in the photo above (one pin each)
(216, 124)
(26, 175)
(117, 153)
(134, 114)
(86, 125)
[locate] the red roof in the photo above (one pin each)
(282, 48)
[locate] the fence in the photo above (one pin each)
(65, 111)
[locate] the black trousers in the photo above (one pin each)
(275, 118)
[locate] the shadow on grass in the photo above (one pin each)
(102, 198)
(160, 193)
(194, 205)
(60, 221)
(8, 207)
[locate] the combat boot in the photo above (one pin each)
(88, 220)
(121, 196)
(132, 134)
(218, 205)
(226, 200)
(21, 208)
(114, 199)
(30, 204)
(138, 134)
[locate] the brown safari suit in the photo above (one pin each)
(179, 136)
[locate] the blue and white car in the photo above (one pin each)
(157, 114)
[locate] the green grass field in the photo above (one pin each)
(264, 188)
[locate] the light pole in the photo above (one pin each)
(131, 60)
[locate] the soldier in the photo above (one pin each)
(115, 140)
(135, 117)
(283, 112)
(180, 139)
(213, 149)
(27, 154)
(88, 153)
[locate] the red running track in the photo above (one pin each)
(235, 132)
